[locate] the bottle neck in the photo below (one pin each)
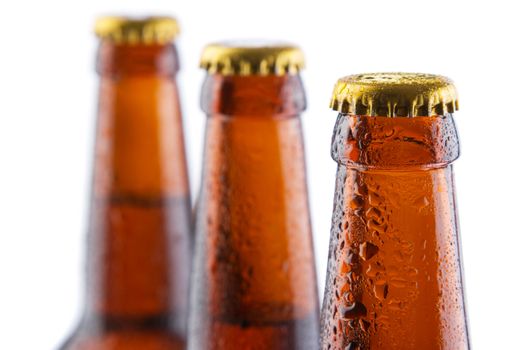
(394, 255)
(140, 198)
(139, 139)
(255, 262)
(395, 143)
(394, 251)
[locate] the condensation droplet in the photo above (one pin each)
(355, 310)
(367, 250)
(353, 346)
(356, 202)
(364, 325)
(421, 202)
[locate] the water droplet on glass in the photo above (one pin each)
(380, 291)
(353, 346)
(421, 202)
(374, 199)
(367, 250)
(364, 325)
(355, 310)
(356, 202)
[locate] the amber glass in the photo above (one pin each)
(139, 225)
(254, 284)
(394, 276)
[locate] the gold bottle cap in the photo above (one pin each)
(125, 30)
(252, 58)
(395, 95)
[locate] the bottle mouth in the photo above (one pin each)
(256, 96)
(121, 60)
(395, 143)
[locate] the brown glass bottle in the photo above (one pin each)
(394, 276)
(139, 225)
(254, 284)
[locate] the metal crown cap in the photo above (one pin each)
(252, 58)
(126, 30)
(395, 95)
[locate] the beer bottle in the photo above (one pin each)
(139, 224)
(394, 277)
(254, 281)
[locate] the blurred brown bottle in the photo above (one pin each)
(394, 277)
(254, 282)
(139, 225)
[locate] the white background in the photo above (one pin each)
(47, 108)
